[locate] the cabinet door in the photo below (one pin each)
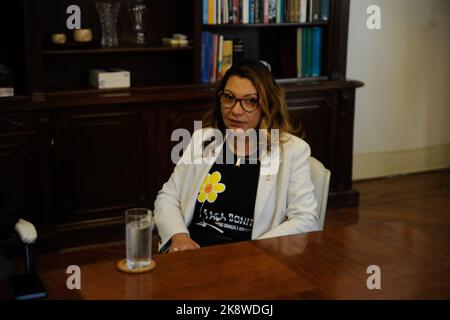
(103, 162)
(19, 164)
(177, 116)
(312, 116)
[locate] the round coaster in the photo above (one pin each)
(123, 266)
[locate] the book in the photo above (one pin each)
(324, 10)
(257, 14)
(266, 11)
(238, 50)
(235, 9)
(245, 11)
(218, 11)
(220, 58)
(316, 62)
(251, 12)
(303, 11)
(299, 51)
(272, 11)
(215, 45)
(306, 52)
(225, 12)
(278, 18)
(227, 56)
(315, 10)
(205, 11)
(211, 12)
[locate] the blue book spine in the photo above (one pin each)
(251, 14)
(210, 56)
(205, 11)
(317, 52)
(325, 10)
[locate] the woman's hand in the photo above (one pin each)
(182, 242)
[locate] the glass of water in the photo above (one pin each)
(139, 225)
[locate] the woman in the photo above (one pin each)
(211, 203)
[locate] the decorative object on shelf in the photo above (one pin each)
(82, 35)
(177, 40)
(108, 11)
(59, 38)
(110, 78)
(137, 9)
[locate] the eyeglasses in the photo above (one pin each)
(248, 103)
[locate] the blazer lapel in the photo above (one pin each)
(267, 177)
(201, 170)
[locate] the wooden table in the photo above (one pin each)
(331, 264)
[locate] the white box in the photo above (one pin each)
(6, 92)
(109, 78)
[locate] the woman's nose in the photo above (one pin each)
(237, 109)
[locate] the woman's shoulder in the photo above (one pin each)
(291, 141)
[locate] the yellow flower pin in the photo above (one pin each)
(211, 187)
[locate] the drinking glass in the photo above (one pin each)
(138, 228)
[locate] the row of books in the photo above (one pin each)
(264, 11)
(309, 52)
(302, 58)
(217, 56)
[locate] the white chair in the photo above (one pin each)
(28, 234)
(320, 177)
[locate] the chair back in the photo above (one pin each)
(320, 177)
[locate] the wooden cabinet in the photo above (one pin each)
(22, 173)
(104, 162)
(325, 119)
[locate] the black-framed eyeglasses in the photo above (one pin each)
(249, 103)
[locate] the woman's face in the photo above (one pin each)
(236, 117)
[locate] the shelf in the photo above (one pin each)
(263, 25)
(116, 50)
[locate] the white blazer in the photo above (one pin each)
(285, 202)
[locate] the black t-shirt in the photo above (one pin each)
(226, 201)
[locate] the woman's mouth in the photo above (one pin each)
(236, 122)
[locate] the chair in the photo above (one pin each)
(320, 177)
(28, 235)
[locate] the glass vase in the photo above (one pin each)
(137, 10)
(108, 11)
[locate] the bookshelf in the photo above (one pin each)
(62, 142)
(36, 63)
(291, 35)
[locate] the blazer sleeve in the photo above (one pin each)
(169, 218)
(301, 210)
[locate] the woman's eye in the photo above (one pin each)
(251, 100)
(228, 96)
